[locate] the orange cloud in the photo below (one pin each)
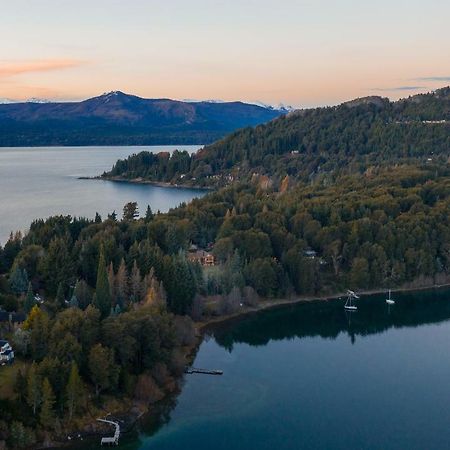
(11, 69)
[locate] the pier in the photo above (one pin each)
(191, 370)
(114, 440)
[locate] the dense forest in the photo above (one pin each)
(311, 144)
(110, 302)
(112, 292)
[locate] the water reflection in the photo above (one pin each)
(329, 319)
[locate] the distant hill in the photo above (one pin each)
(310, 144)
(121, 119)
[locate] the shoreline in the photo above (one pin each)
(201, 329)
(267, 305)
(164, 184)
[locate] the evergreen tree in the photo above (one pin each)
(148, 214)
(113, 216)
(130, 211)
(135, 283)
(181, 286)
(103, 371)
(18, 280)
(21, 436)
(74, 391)
(102, 291)
(112, 283)
(29, 299)
(121, 287)
(34, 396)
(20, 386)
(47, 414)
(58, 264)
(82, 293)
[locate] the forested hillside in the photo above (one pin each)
(116, 118)
(364, 204)
(311, 144)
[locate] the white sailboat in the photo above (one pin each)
(389, 300)
(349, 306)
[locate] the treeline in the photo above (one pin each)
(155, 167)
(384, 228)
(77, 357)
(108, 289)
(311, 144)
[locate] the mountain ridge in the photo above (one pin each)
(116, 118)
(311, 144)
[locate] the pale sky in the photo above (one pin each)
(301, 53)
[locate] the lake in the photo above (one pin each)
(40, 182)
(312, 376)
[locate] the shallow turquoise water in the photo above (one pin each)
(39, 182)
(314, 377)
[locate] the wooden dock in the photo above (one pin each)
(113, 440)
(203, 371)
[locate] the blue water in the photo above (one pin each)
(314, 377)
(39, 182)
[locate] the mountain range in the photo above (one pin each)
(116, 118)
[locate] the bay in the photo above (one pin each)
(44, 181)
(312, 376)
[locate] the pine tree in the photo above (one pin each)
(33, 388)
(130, 211)
(74, 391)
(102, 292)
(148, 214)
(181, 286)
(103, 371)
(121, 287)
(82, 294)
(58, 265)
(47, 415)
(19, 280)
(29, 299)
(135, 283)
(112, 283)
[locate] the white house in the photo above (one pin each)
(6, 352)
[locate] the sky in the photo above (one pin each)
(301, 53)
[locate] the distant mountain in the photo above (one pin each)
(312, 144)
(116, 118)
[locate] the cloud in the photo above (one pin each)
(11, 69)
(399, 88)
(433, 79)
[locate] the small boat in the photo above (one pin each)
(389, 300)
(349, 306)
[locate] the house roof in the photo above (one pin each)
(3, 342)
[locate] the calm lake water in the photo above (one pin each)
(315, 377)
(40, 182)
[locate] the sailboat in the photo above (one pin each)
(389, 300)
(349, 306)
